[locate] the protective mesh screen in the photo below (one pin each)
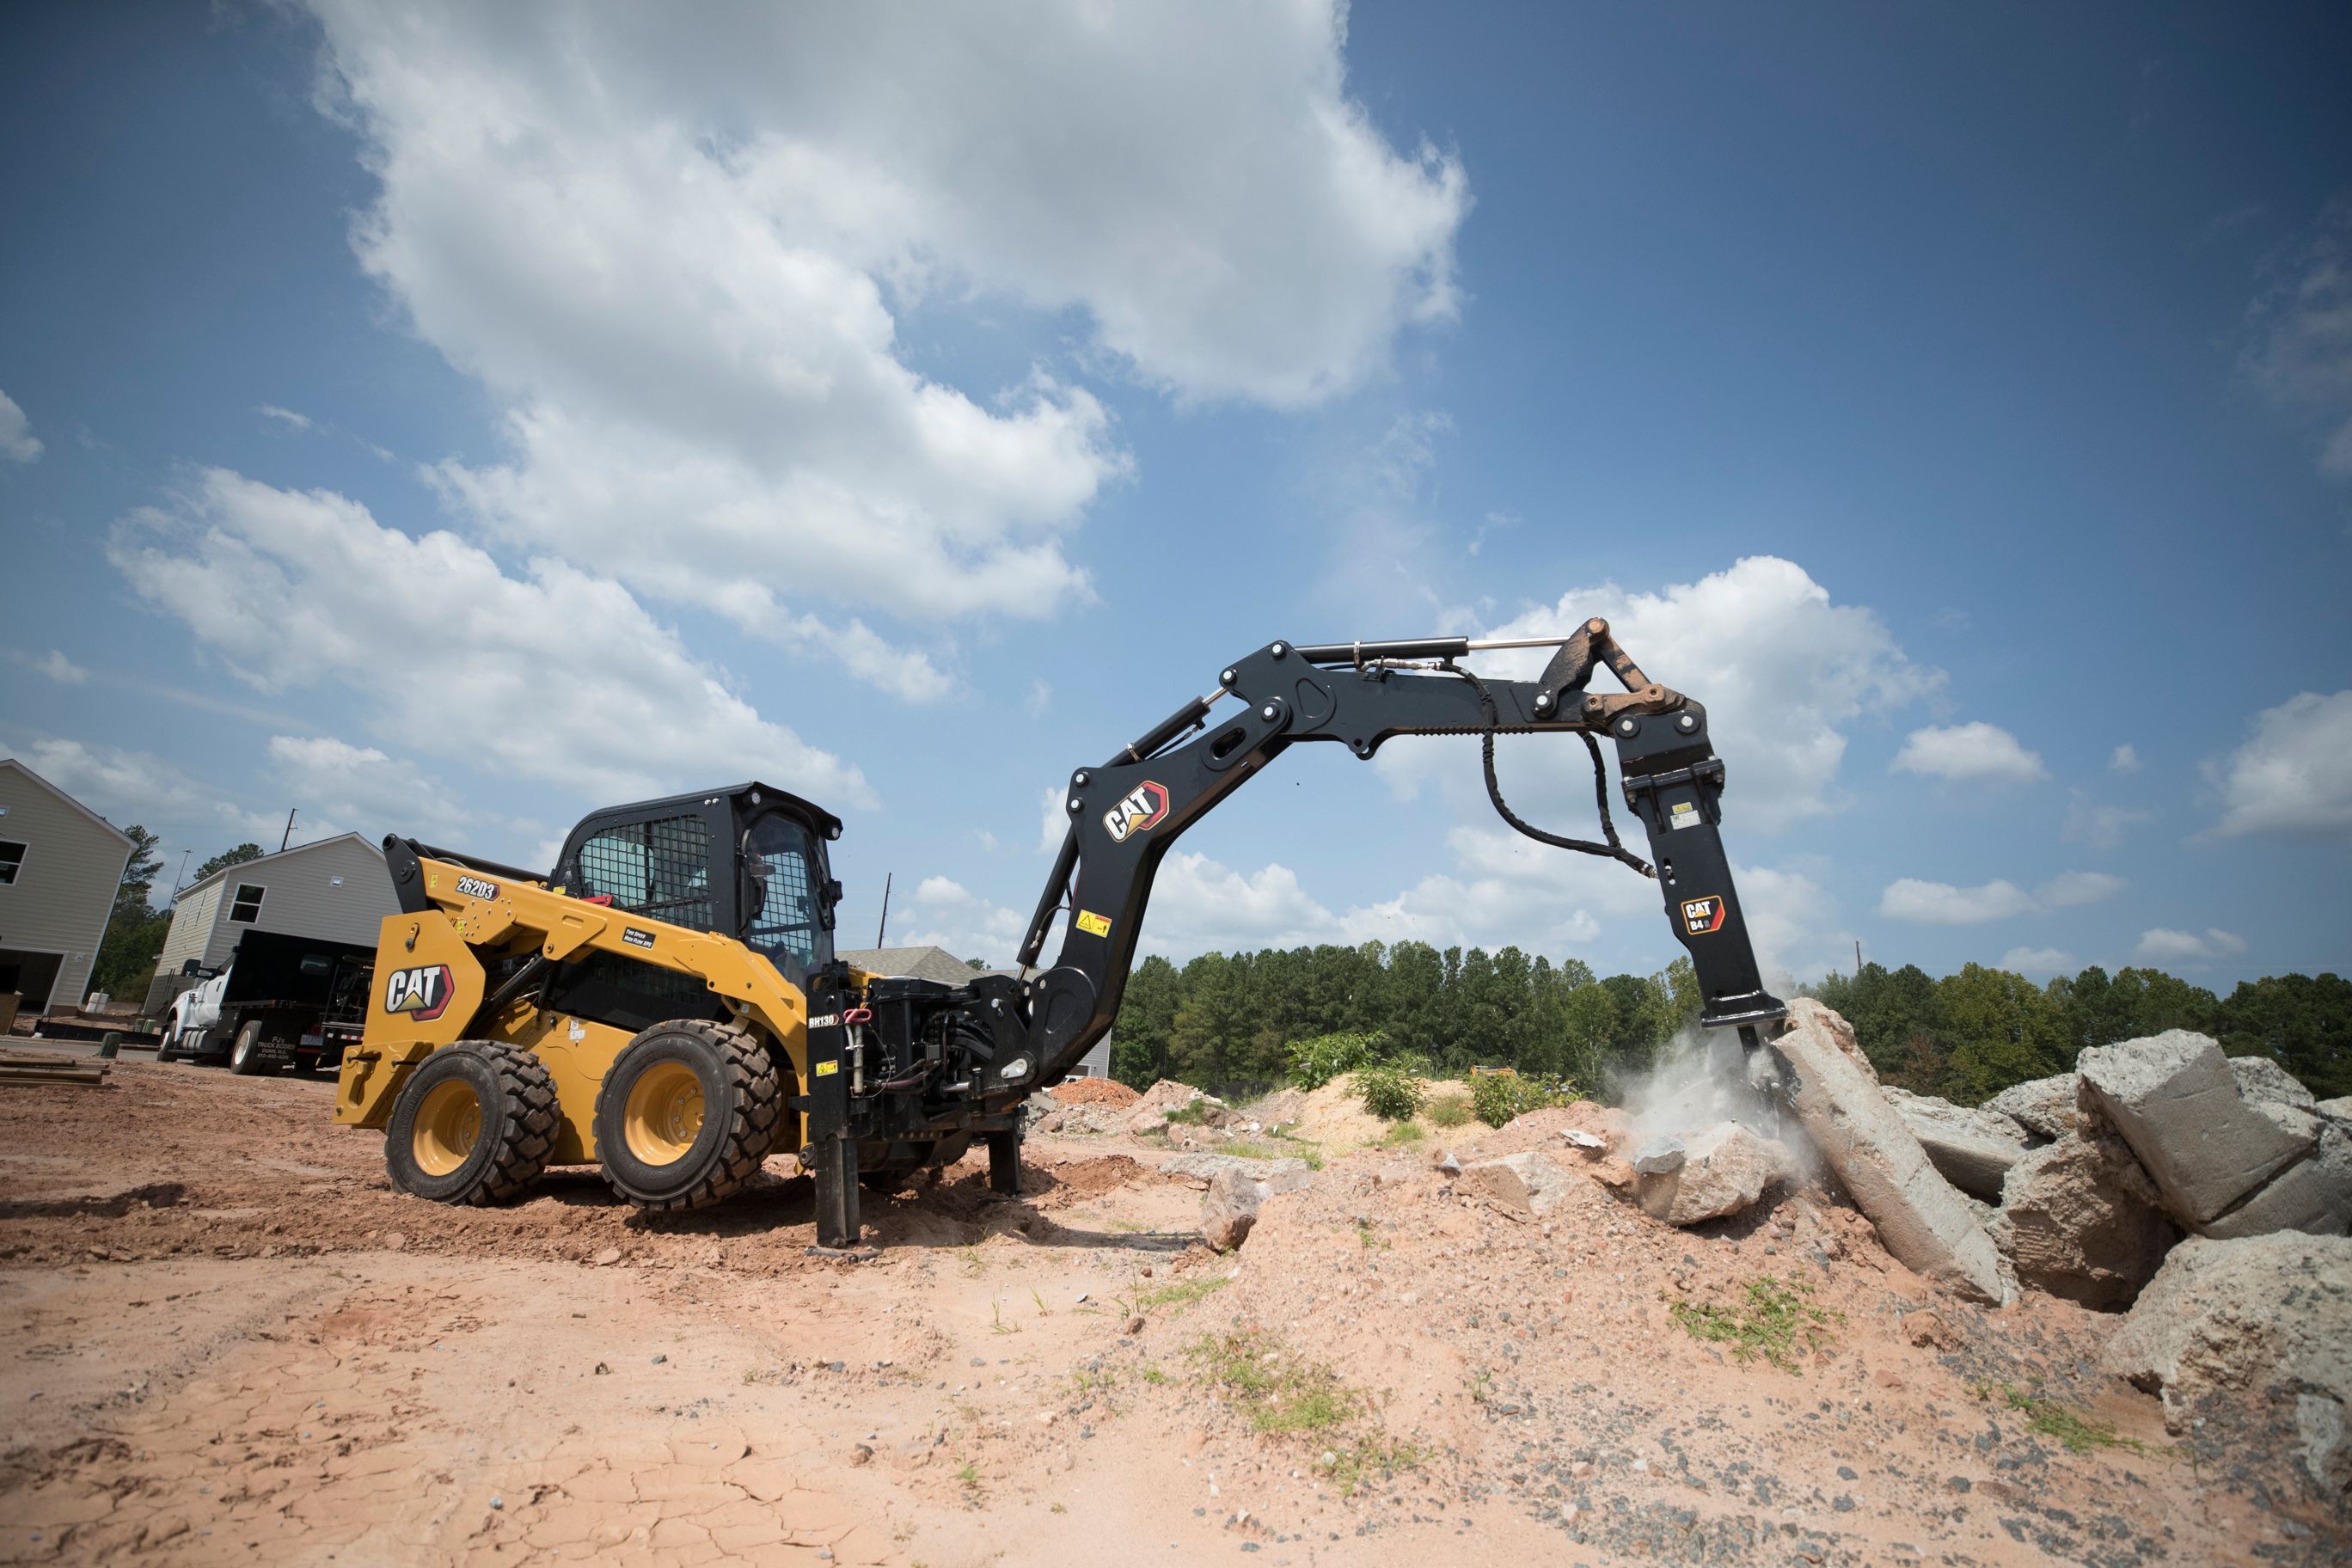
(785, 919)
(660, 868)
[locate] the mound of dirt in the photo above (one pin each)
(1333, 1117)
(1095, 1091)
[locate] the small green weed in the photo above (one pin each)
(1369, 1238)
(1191, 1115)
(1403, 1134)
(2078, 1433)
(1349, 1466)
(1772, 1321)
(1499, 1097)
(1450, 1110)
(1179, 1294)
(1280, 1391)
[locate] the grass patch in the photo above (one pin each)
(1179, 1294)
(1370, 1238)
(1279, 1391)
(2079, 1433)
(1403, 1134)
(1448, 1111)
(1772, 1321)
(1191, 1115)
(1349, 1466)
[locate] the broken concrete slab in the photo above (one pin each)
(2314, 1195)
(1923, 1219)
(1660, 1156)
(1206, 1167)
(2262, 1081)
(2079, 1218)
(1229, 1209)
(2175, 1101)
(1535, 1184)
(1973, 1149)
(2226, 1326)
(1725, 1169)
(1163, 1100)
(2044, 1107)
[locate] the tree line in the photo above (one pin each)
(1226, 1019)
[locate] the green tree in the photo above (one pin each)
(135, 931)
(2303, 1023)
(1147, 1014)
(2001, 1029)
(226, 859)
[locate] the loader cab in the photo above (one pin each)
(747, 862)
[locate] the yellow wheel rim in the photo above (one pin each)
(447, 1126)
(664, 1114)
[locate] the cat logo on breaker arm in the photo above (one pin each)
(1140, 809)
(422, 993)
(1701, 916)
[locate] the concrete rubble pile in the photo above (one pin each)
(2246, 1333)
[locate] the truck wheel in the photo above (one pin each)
(244, 1058)
(169, 1049)
(474, 1124)
(686, 1114)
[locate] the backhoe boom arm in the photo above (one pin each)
(1127, 812)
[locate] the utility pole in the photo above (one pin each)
(886, 909)
(289, 834)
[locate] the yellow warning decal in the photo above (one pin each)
(1093, 924)
(826, 1069)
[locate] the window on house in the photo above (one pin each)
(12, 858)
(246, 908)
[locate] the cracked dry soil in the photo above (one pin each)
(226, 1340)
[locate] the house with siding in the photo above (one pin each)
(336, 889)
(60, 863)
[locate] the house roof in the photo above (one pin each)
(20, 767)
(922, 962)
(279, 855)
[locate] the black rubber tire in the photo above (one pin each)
(743, 1101)
(517, 1124)
(243, 1058)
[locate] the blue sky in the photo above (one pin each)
(447, 423)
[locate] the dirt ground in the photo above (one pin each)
(224, 1338)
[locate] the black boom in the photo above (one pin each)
(1126, 813)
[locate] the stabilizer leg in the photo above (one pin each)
(1004, 1162)
(836, 1193)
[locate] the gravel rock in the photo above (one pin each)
(2079, 1218)
(2229, 1327)
(2262, 1081)
(2338, 1110)
(1922, 1218)
(1973, 1149)
(1726, 1168)
(2044, 1107)
(1152, 1112)
(1532, 1183)
(2174, 1099)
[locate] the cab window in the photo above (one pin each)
(780, 899)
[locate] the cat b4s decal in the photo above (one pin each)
(1140, 809)
(422, 993)
(1701, 916)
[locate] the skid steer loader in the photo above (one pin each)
(665, 1004)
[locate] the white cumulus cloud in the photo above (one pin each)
(560, 676)
(1924, 902)
(17, 442)
(2124, 759)
(2101, 825)
(1968, 754)
(2164, 946)
(680, 249)
(2298, 351)
(2034, 960)
(1782, 670)
(2293, 774)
